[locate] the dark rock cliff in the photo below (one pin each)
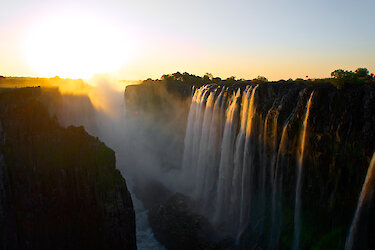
(340, 141)
(59, 188)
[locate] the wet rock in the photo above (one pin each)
(177, 226)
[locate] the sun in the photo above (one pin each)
(76, 45)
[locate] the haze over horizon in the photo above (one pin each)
(142, 39)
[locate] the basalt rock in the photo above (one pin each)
(59, 188)
(177, 226)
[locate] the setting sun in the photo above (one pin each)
(76, 47)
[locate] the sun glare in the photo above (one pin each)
(76, 46)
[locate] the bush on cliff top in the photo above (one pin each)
(342, 78)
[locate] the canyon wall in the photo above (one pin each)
(59, 186)
(278, 165)
(273, 165)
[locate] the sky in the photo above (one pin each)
(139, 39)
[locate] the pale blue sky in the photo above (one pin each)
(277, 39)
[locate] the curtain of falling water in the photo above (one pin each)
(226, 159)
(297, 209)
(235, 160)
(353, 240)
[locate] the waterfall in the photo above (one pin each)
(193, 131)
(276, 214)
(297, 209)
(209, 174)
(204, 147)
(247, 166)
(245, 158)
(366, 197)
(232, 176)
(238, 157)
(226, 159)
(280, 161)
(202, 143)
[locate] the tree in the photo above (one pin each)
(209, 76)
(362, 72)
(342, 78)
(230, 80)
(341, 74)
(262, 79)
(216, 80)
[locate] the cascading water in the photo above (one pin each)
(367, 197)
(209, 172)
(191, 150)
(297, 208)
(247, 167)
(276, 207)
(238, 156)
(222, 172)
(226, 159)
(238, 166)
(278, 164)
(203, 145)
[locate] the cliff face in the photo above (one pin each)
(59, 187)
(279, 165)
(292, 159)
(70, 109)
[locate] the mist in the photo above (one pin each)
(148, 142)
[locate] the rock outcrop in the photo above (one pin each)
(59, 188)
(177, 226)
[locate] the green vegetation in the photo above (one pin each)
(197, 81)
(339, 78)
(342, 78)
(260, 79)
(193, 80)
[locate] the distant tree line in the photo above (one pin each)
(339, 78)
(194, 80)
